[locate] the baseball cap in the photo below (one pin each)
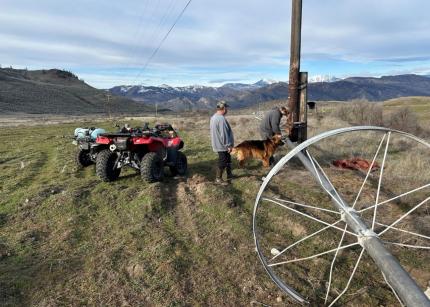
(285, 109)
(222, 104)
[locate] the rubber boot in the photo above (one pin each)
(230, 175)
(272, 161)
(219, 172)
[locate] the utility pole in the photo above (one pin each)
(297, 85)
(293, 85)
(108, 96)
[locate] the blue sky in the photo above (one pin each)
(108, 43)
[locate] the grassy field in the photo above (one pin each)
(419, 105)
(66, 238)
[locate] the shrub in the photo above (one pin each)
(360, 112)
(404, 120)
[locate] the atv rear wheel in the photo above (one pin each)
(83, 158)
(106, 166)
(181, 165)
(152, 167)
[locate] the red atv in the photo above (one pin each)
(146, 150)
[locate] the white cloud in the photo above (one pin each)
(216, 38)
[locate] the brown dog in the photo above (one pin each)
(261, 150)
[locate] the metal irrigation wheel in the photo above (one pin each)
(317, 227)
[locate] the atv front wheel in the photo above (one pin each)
(152, 167)
(181, 165)
(106, 167)
(83, 158)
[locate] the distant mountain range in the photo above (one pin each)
(372, 89)
(245, 95)
(60, 92)
(57, 92)
(193, 97)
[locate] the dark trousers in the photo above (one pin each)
(224, 163)
(224, 159)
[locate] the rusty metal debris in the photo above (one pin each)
(356, 163)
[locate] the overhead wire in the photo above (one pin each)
(162, 40)
(157, 30)
(138, 30)
(151, 22)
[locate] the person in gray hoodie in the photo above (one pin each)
(222, 141)
(269, 125)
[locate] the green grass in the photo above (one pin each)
(419, 105)
(66, 238)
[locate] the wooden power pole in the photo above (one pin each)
(293, 85)
(108, 96)
(297, 85)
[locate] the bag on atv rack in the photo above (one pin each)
(91, 133)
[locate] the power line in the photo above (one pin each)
(144, 33)
(156, 31)
(138, 30)
(162, 41)
(160, 26)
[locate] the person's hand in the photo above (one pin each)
(229, 149)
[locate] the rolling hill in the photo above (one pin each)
(57, 92)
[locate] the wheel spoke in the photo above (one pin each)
(306, 215)
(396, 197)
(407, 245)
(304, 239)
(405, 231)
(337, 199)
(307, 206)
(380, 181)
(403, 216)
(350, 278)
(314, 256)
(369, 171)
(392, 289)
(332, 263)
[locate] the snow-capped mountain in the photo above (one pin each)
(252, 86)
(185, 97)
(265, 82)
(323, 78)
(198, 97)
(240, 95)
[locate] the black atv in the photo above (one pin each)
(85, 139)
